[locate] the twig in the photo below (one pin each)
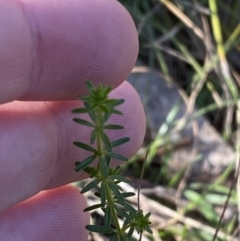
(187, 21)
(141, 178)
(186, 141)
(226, 203)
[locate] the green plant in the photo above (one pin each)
(113, 200)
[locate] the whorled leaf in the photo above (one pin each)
(90, 186)
(100, 108)
(106, 141)
(121, 178)
(128, 194)
(93, 136)
(84, 122)
(114, 102)
(103, 194)
(104, 167)
(120, 141)
(117, 193)
(84, 146)
(113, 127)
(117, 112)
(118, 156)
(80, 111)
(121, 211)
(93, 207)
(90, 86)
(100, 229)
(85, 163)
(107, 217)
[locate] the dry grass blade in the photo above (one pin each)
(179, 14)
(235, 180)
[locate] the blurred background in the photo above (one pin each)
(188, 77)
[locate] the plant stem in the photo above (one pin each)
(109, 194)
(114, 214)
(99, 107)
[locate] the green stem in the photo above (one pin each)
(109, 195)
(114, 214)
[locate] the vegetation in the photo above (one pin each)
(113, 200)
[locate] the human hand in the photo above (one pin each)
(48, 49)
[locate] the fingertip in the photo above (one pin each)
(55, 215)
(50, 47)
(77, 40)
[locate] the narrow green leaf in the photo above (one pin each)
(123, 238)
(121, 212)
(86, 104)
(121, 178)
(82, 165)
(90, 86)
(119, 187)
(114, 102)
(148, 229)
(118, 156)
(128, 194)
(117, 193)
(93, 207)
(97, 194)
(129, 207)
(92, 108)
(107, 160)
(106, 141)
(121, 141)
(147, 215)
(117, 112)
(100, 229)
(130, 232)
(84, 146)
(90, 186)
(113, 127)
(103, 194)
(104, 109)
(108, 217)
(107, 90)
(91, 171)
(104, 167)
(131, 239)
(92, 115)
(93, 136)
(83, 122)
(114, 238)
(106, 117)
(80, 111)
(116, 170)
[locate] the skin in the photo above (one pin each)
(48, 48)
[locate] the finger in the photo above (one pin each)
(36, 150)
(50, 47)
(50, 215)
